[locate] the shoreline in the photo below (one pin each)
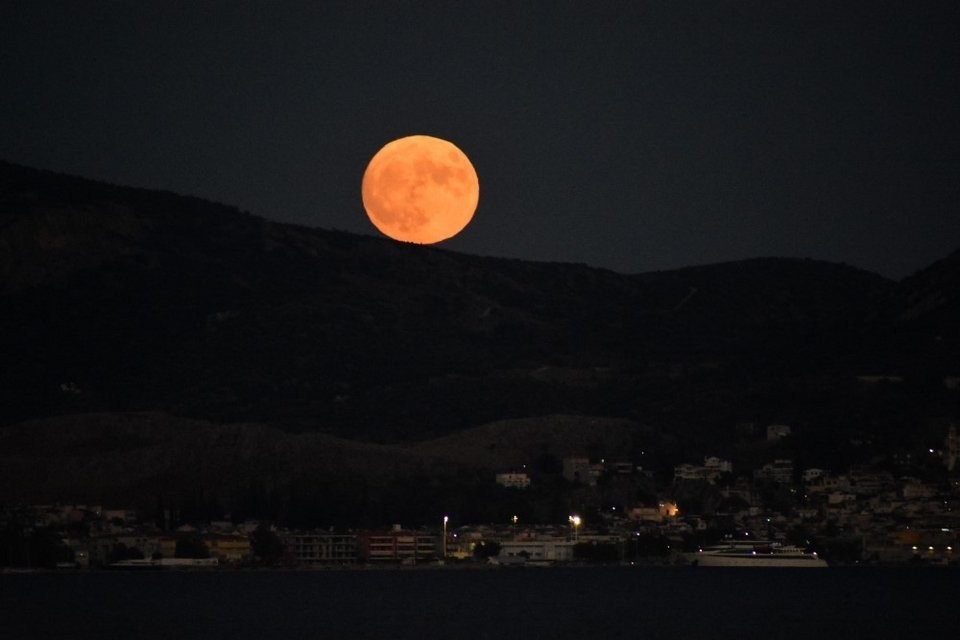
(434, 567)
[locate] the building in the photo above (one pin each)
(515, 480)
(663, 511)
(688, 472)
(717, 465)
(120, 516)
(168, 546)
(645, 514)
(779, 471)
(396, 545)
(317, 547)
(228, 547)
(865, 483)
(840, 498)
(836, 483)
(576, 470)
(914, 489)
(713, 467)
(538, 550)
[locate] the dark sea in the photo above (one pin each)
(528, 603)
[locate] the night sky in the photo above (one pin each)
(632, 135)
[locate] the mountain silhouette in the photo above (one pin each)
(182, 343)
(121, 299)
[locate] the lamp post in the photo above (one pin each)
(575, 521)
(445, 520)
(514, 520)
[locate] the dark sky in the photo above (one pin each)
(630, 135)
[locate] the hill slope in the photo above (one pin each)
(118, 299)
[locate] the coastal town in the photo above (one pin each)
(898, 510)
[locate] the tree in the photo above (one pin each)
(266, 545)
(486, 550)
(22, 545)
(191, 546)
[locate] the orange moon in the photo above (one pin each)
(420, 189)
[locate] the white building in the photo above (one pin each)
(713, 467)
(719, 465)
(515, 480)
(541, 550)
(689, 472)
(779, 471)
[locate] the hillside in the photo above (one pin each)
(119, 299)
(926, 319)
(507, 445)
(167, 353)
(149, 459)
(198, 470)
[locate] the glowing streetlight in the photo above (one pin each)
(575, 521)
(445, 520)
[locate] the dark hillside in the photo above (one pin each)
(119, 299)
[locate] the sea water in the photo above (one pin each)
(528, 603)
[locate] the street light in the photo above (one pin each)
(575, 521)
(445, 520)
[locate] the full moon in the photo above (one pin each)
(420, 189)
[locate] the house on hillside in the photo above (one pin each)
(779, 471)
(514, 480)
